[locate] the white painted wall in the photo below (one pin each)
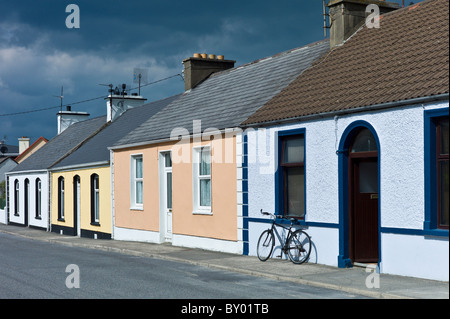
(3, 217)
(20, 219)
(401, 135)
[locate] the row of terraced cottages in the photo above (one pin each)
(348, 135)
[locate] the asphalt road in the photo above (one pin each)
(39, 270)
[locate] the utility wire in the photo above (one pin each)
(87, 100)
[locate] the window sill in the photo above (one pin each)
(202, 212)
(138, 208)
(95, 224)
(61, 220)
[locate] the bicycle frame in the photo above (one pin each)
(282, 242)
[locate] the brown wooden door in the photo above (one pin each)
(364, 212)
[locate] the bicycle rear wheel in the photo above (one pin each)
(265, 245)
(299, 247)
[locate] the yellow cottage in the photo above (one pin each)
(81, 182)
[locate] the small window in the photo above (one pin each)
(442, 142)
(293, 175)
(137, 181)
(16, 197)
(364, 142)
(95, 199)
(202, 179)
(38, 198)
(61, 198)
(436, 147)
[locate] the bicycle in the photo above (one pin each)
(297, 244)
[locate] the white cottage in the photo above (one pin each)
(28, 192)
(356, 148)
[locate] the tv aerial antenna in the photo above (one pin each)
(140, 75)
(61, 97)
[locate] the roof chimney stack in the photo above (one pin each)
(199, 67)
(347, 16)
(69, 117)
(24, 143)
(118, 103)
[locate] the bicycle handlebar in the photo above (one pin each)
(278, 216)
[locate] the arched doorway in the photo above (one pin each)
(363, 198)
(359, 195)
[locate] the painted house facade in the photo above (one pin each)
(358, 149)
(28, 184)
(81, 182)
(178, 176)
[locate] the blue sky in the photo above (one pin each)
(39, 54)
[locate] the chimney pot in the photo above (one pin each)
(212, 56)
(220, 57)
(204, 55)
(197, 55)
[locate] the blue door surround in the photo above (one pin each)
(344, 145)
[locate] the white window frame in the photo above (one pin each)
(197, 209)
(61, 198)
(38, 198)
(96, 199)
(134, 180)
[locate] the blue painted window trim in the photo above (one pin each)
(430, 218)
(279, 196)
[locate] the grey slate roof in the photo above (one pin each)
(229, 97)
(95, 149)
(61, 145)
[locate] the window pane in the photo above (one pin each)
(205, 162)
(294, 150)
(168, 159)
(444, 136)
(97, 202)
(364, 142)
(295, 192)
(169, 190)
(139, 167)
(139, 192)
(368, 177)
(205, 192)
(444, 193)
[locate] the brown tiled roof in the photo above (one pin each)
(406, 58)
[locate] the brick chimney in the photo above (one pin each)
(199, 67)
(347, 16)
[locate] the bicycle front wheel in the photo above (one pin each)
(265, 245)
(299, 247)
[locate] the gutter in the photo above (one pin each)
(79, 166)
(375, 107)
(168, 139)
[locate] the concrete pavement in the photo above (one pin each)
(352, 280)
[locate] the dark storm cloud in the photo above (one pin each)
(38, 54)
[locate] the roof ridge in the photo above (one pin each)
(276, 55)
